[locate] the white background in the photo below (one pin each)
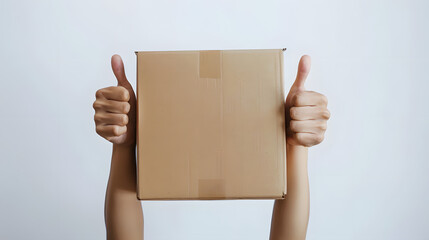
(369, 179)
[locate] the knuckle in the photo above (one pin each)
(124, 119)
(99, 93)
(124, 94)
(96, 105)
(318, 138)
(298, 97)
(322, 125)
(125, 107)
(98, 130)
(293, 112)
(116, 131)
(293, 125)
(297, 137)
(96, 117)
(326, 114)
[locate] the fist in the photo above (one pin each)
(115, 109)
(306, 111)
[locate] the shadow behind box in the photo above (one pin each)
(210, 125)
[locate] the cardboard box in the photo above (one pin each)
(210, 125)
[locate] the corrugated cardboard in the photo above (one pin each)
(211, 125)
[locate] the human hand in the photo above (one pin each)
(306, 111)
(115, 109)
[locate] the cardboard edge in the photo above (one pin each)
(198, 50)
(282, 84)
(138, 193)
(214, 198)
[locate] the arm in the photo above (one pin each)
(115, 117)
(306, 121)
(290, 216)
(123, 212)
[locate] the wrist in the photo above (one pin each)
(123, 160)
(121, 151)
(294, 148)
(124, 147)
(297, 153)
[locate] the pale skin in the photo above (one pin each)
(115, 119)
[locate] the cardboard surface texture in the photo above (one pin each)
(210, 125)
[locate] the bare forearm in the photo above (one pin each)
(123, 212)
(290, 216)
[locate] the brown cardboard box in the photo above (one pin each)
(211, 125)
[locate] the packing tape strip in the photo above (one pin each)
(211, 67)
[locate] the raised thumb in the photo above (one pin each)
(118, 70)
(303, 70)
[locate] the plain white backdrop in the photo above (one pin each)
(369, 179)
